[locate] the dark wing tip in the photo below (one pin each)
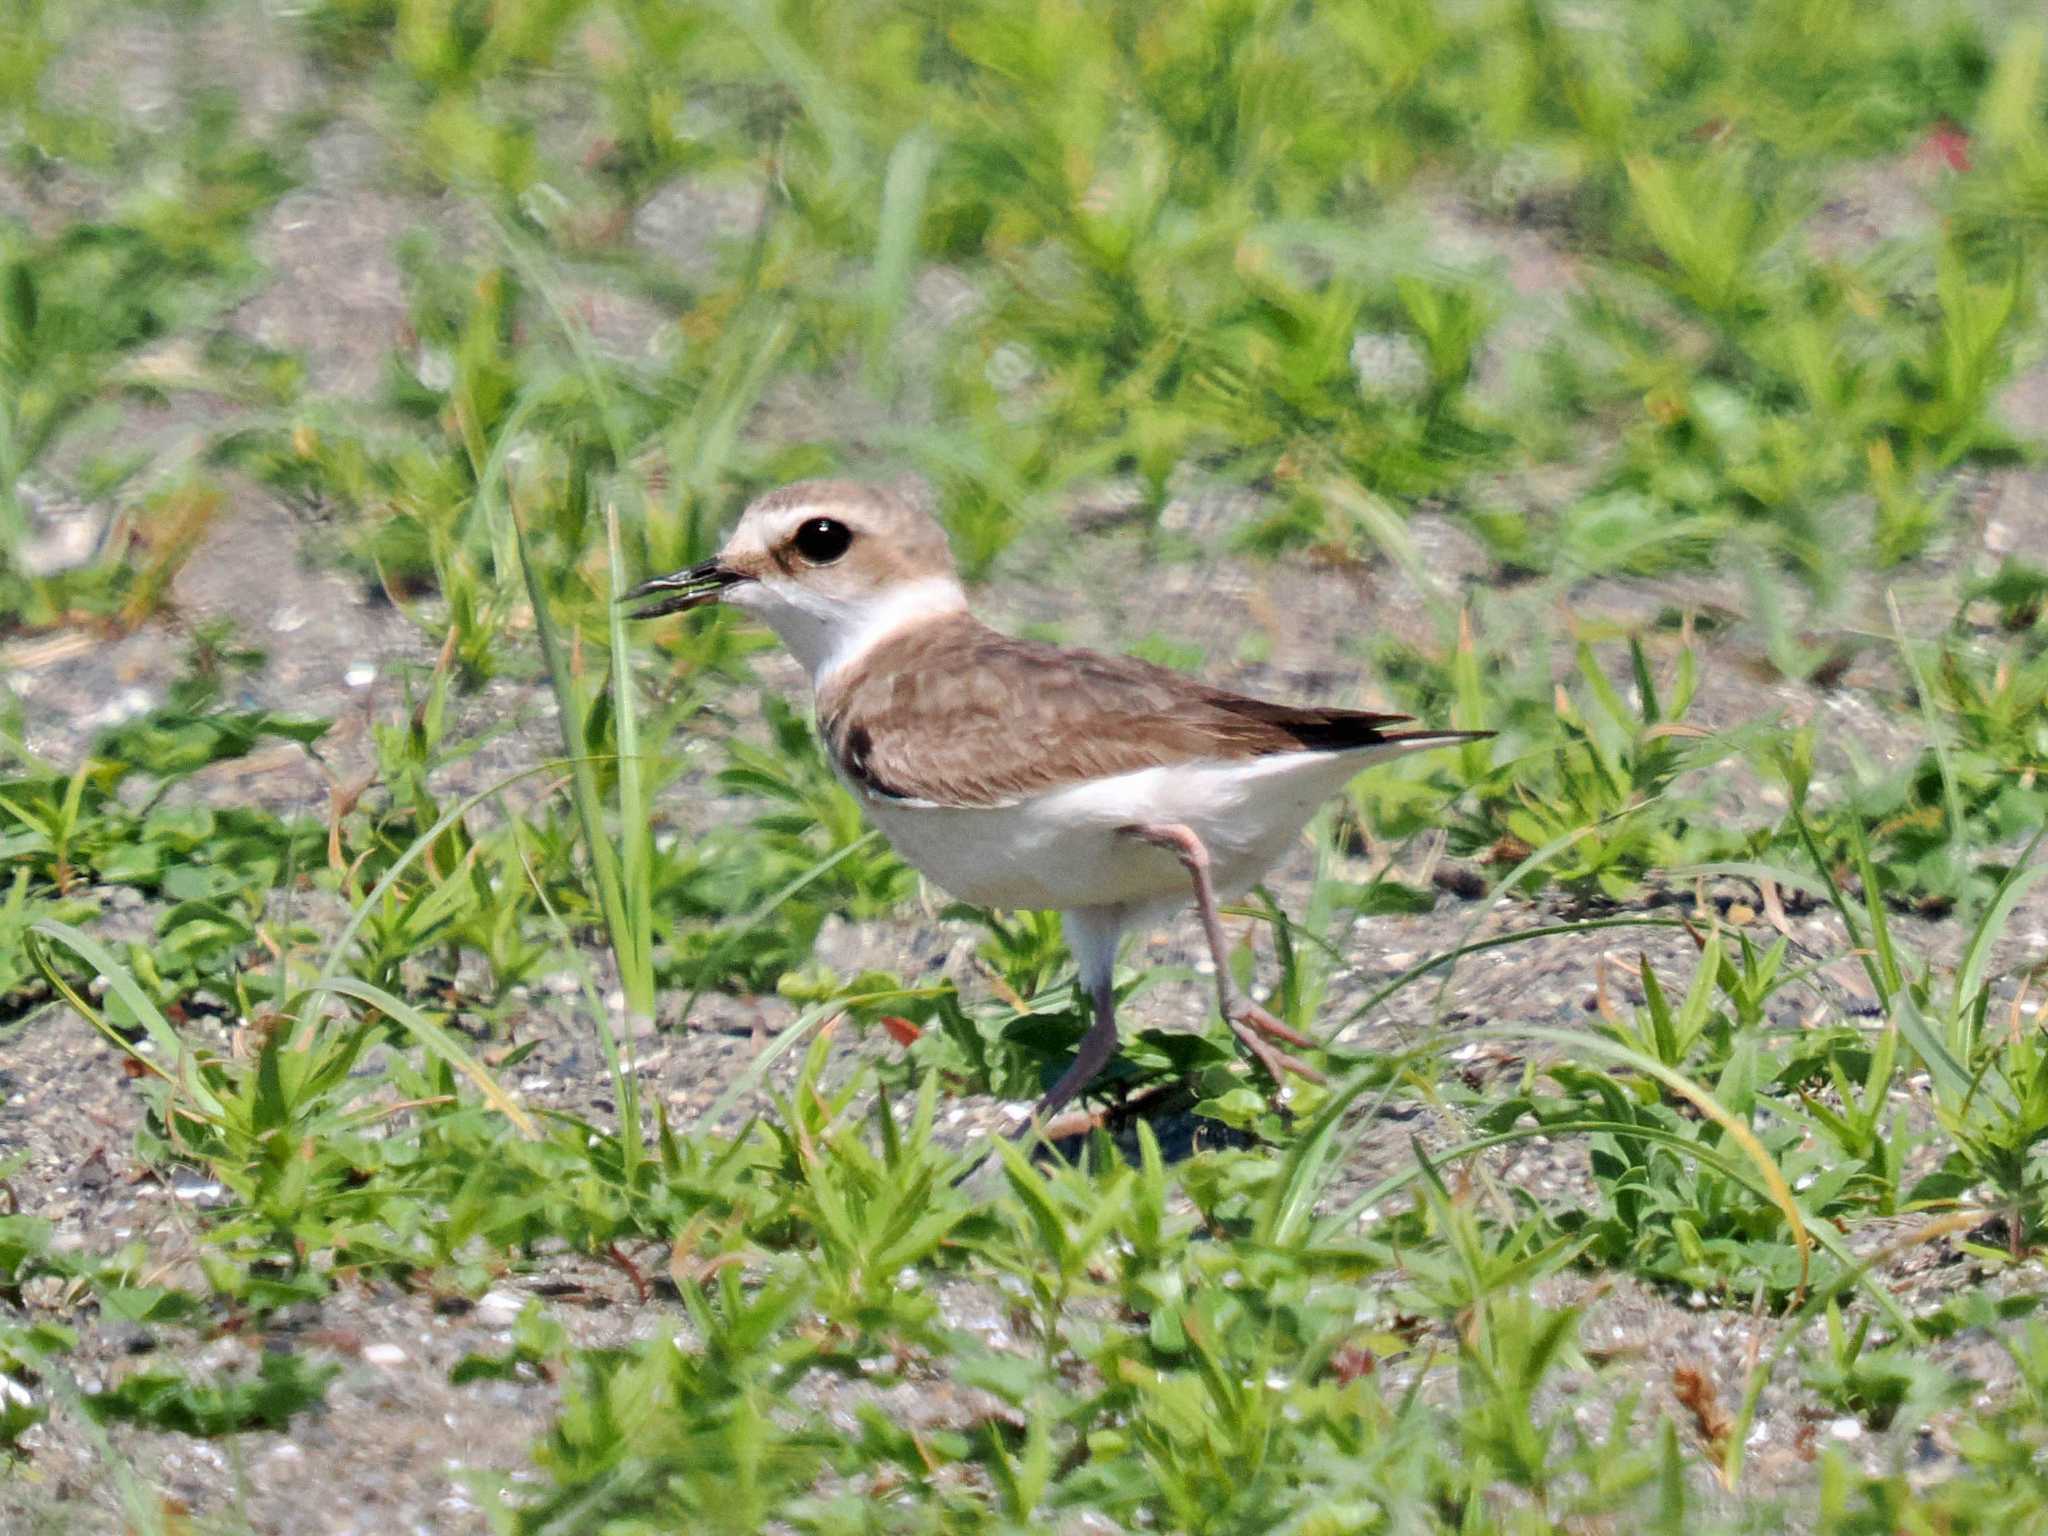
(1312, 729)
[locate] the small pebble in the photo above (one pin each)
(500, 1308)
(198, 1191)
(383, 1354)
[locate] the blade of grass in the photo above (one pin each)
(1480, 946)
(606, 875)
(903, 193)
(1535, 861)
(1736, 1127)
(625, 1083)
(793, 1032)
(412, 853)
(1738, 1169)
(1937, 737)
(526, 256)
(435, 1039)
(1839, 900)
(636, 832)
(170, 1045)
(1792, 1327)
(1885, 952)
(728, 937)
(1773, 1184)
(1311, 1155)
(1749, 869)
(2023, 873)
(490, 482)
(621, 874)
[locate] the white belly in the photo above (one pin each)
(1064, 849)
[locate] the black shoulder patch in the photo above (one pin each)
(856, 750)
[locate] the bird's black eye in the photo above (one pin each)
(821, 540)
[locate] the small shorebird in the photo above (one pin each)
(1016, 774)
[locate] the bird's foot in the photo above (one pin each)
(1266, 1024)
(1252, 1024)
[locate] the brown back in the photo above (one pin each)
(955, 713)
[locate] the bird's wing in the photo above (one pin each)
(953, 713)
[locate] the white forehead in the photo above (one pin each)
(894, 540)
(772, 525)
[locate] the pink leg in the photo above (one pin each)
(1247, 1020)
(1097, 1046)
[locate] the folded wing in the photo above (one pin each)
(953, 713)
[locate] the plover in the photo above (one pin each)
(1021, 775)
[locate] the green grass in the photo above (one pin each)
(1591, 287)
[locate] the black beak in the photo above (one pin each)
(693, 588)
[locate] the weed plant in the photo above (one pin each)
(1365, 265)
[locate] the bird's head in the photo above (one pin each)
(832, 566)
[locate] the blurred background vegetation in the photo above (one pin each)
(1735, 303)
(1358, 257)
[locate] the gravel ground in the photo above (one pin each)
(390, 1450)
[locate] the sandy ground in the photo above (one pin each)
(389, 1450)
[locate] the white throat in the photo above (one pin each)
(826, 633)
